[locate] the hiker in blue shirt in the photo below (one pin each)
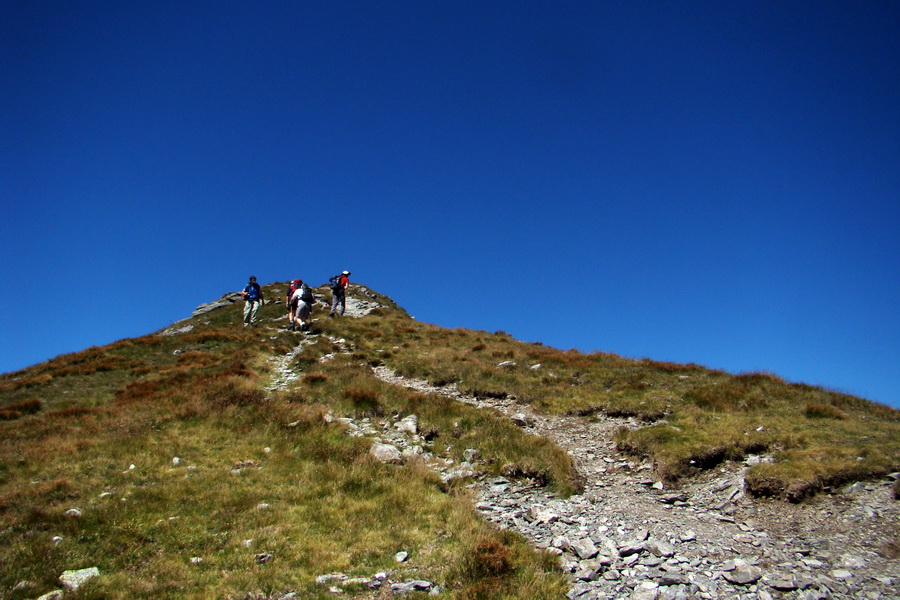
(253, 299)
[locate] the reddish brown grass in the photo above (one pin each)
(101, 364)
(44, 493)
(193, 358)
(491, 558)
(365, 402)
(487, 569)
(137, 391)
(72, 411)
(24, 407)
(28, 382)
(214, 335)
(234, 391)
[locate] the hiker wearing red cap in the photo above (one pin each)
(289, 303)
(339, 285)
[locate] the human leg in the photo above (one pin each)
(254, 312)
(303, 313)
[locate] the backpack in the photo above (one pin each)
(335, 283)
(306, 295)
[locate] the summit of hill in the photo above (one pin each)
(376, 455)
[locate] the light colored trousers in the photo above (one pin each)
(251, 309)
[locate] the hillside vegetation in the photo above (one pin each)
(192, 480)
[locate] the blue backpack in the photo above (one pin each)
(335, 283)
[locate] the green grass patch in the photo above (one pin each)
(694, 418)
(224, 471)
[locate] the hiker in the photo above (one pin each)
(253, 299)
(289, 301)
(303, 300)
(339, 285)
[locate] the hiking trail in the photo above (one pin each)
(628, 535)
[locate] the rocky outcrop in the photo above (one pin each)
(226, 300)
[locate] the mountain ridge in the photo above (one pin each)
(685, 422)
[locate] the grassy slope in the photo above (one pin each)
(76, 423)
(695, 417)
(330, 506)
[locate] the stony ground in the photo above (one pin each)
(628, 536)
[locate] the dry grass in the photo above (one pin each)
(331, 507)
(492, 568)
(82, 419)
(694, 417)
(364, 401)
(19, 409)
(823, 411)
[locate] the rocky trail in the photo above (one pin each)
(629, 536)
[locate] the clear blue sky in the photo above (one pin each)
(709, 182)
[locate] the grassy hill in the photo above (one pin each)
(191, 480)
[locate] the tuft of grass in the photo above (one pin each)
(72, 411)
(232, 390)
(497, 566)
(365, 402)
(823, 411)
(20, 409)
